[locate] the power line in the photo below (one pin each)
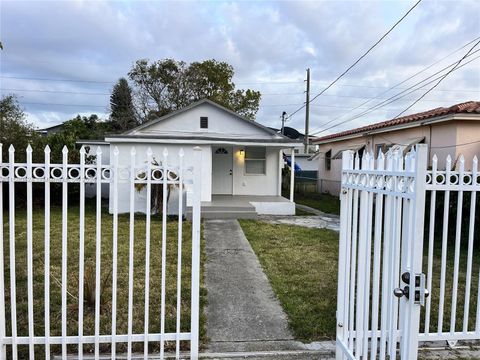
(269, 82)
(360, 58)
(363, 97)
(390, 100)
(62, 80)
(409, 78)
(283, 94)
(54, 91)
(400, 88)
(273, 105)
(440, 80)
(112, 82)
(401, 94)
(56, 104)
(382, 103)
(418, 73)
(268, 94)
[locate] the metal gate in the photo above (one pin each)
(390, 207)
(83, 280)
(381, 286)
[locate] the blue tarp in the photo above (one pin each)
(289, 163)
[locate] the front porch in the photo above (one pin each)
(244, 207)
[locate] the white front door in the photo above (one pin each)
(222, 170)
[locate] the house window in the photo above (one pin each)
(255, 161)
(328, 160)
(221, 151)
(203, 122)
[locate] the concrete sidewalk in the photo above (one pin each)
(243, 313)
(319, 219)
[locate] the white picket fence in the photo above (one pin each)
(148, 175)
(382, 235)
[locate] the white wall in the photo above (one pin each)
(91, 189)
(220, 123)
(173, 160)
(267, 184)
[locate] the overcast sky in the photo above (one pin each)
(87, 45)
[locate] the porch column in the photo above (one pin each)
(280, 168)
(292, 173)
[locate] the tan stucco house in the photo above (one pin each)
(447, 131)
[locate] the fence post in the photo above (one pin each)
(11, 224)
(292, 174)
(30, 253)
(197, 194)
(64, 249)
(345, 212)
(81, 253)
(3, 354)
(410, 332)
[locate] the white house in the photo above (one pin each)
(242, 160)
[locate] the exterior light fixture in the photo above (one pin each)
(242, 152)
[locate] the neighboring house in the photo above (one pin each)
(50, 130)
(447, 131)
(242, 160)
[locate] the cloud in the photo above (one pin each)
(270, 44)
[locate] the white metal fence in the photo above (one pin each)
(37, 235)
(452, 263)
(381, 220)
(391, 207)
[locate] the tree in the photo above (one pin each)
(14, 128)
(122, 115)
(80, 127)
(167, 85)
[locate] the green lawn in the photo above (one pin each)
(435, 291)
(301, 264)
(106, 266)
(324, 202)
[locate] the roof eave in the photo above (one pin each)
(443, 118)
(201, 140)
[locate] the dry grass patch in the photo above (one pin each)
(106, 276)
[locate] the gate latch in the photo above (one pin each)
(419, 290)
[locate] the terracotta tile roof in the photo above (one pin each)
(468, 107)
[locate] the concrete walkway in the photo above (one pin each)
(319, 220)
(242, 311)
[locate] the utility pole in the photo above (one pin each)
(307, 110)
(284, 114)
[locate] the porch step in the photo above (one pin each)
(225, 212)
